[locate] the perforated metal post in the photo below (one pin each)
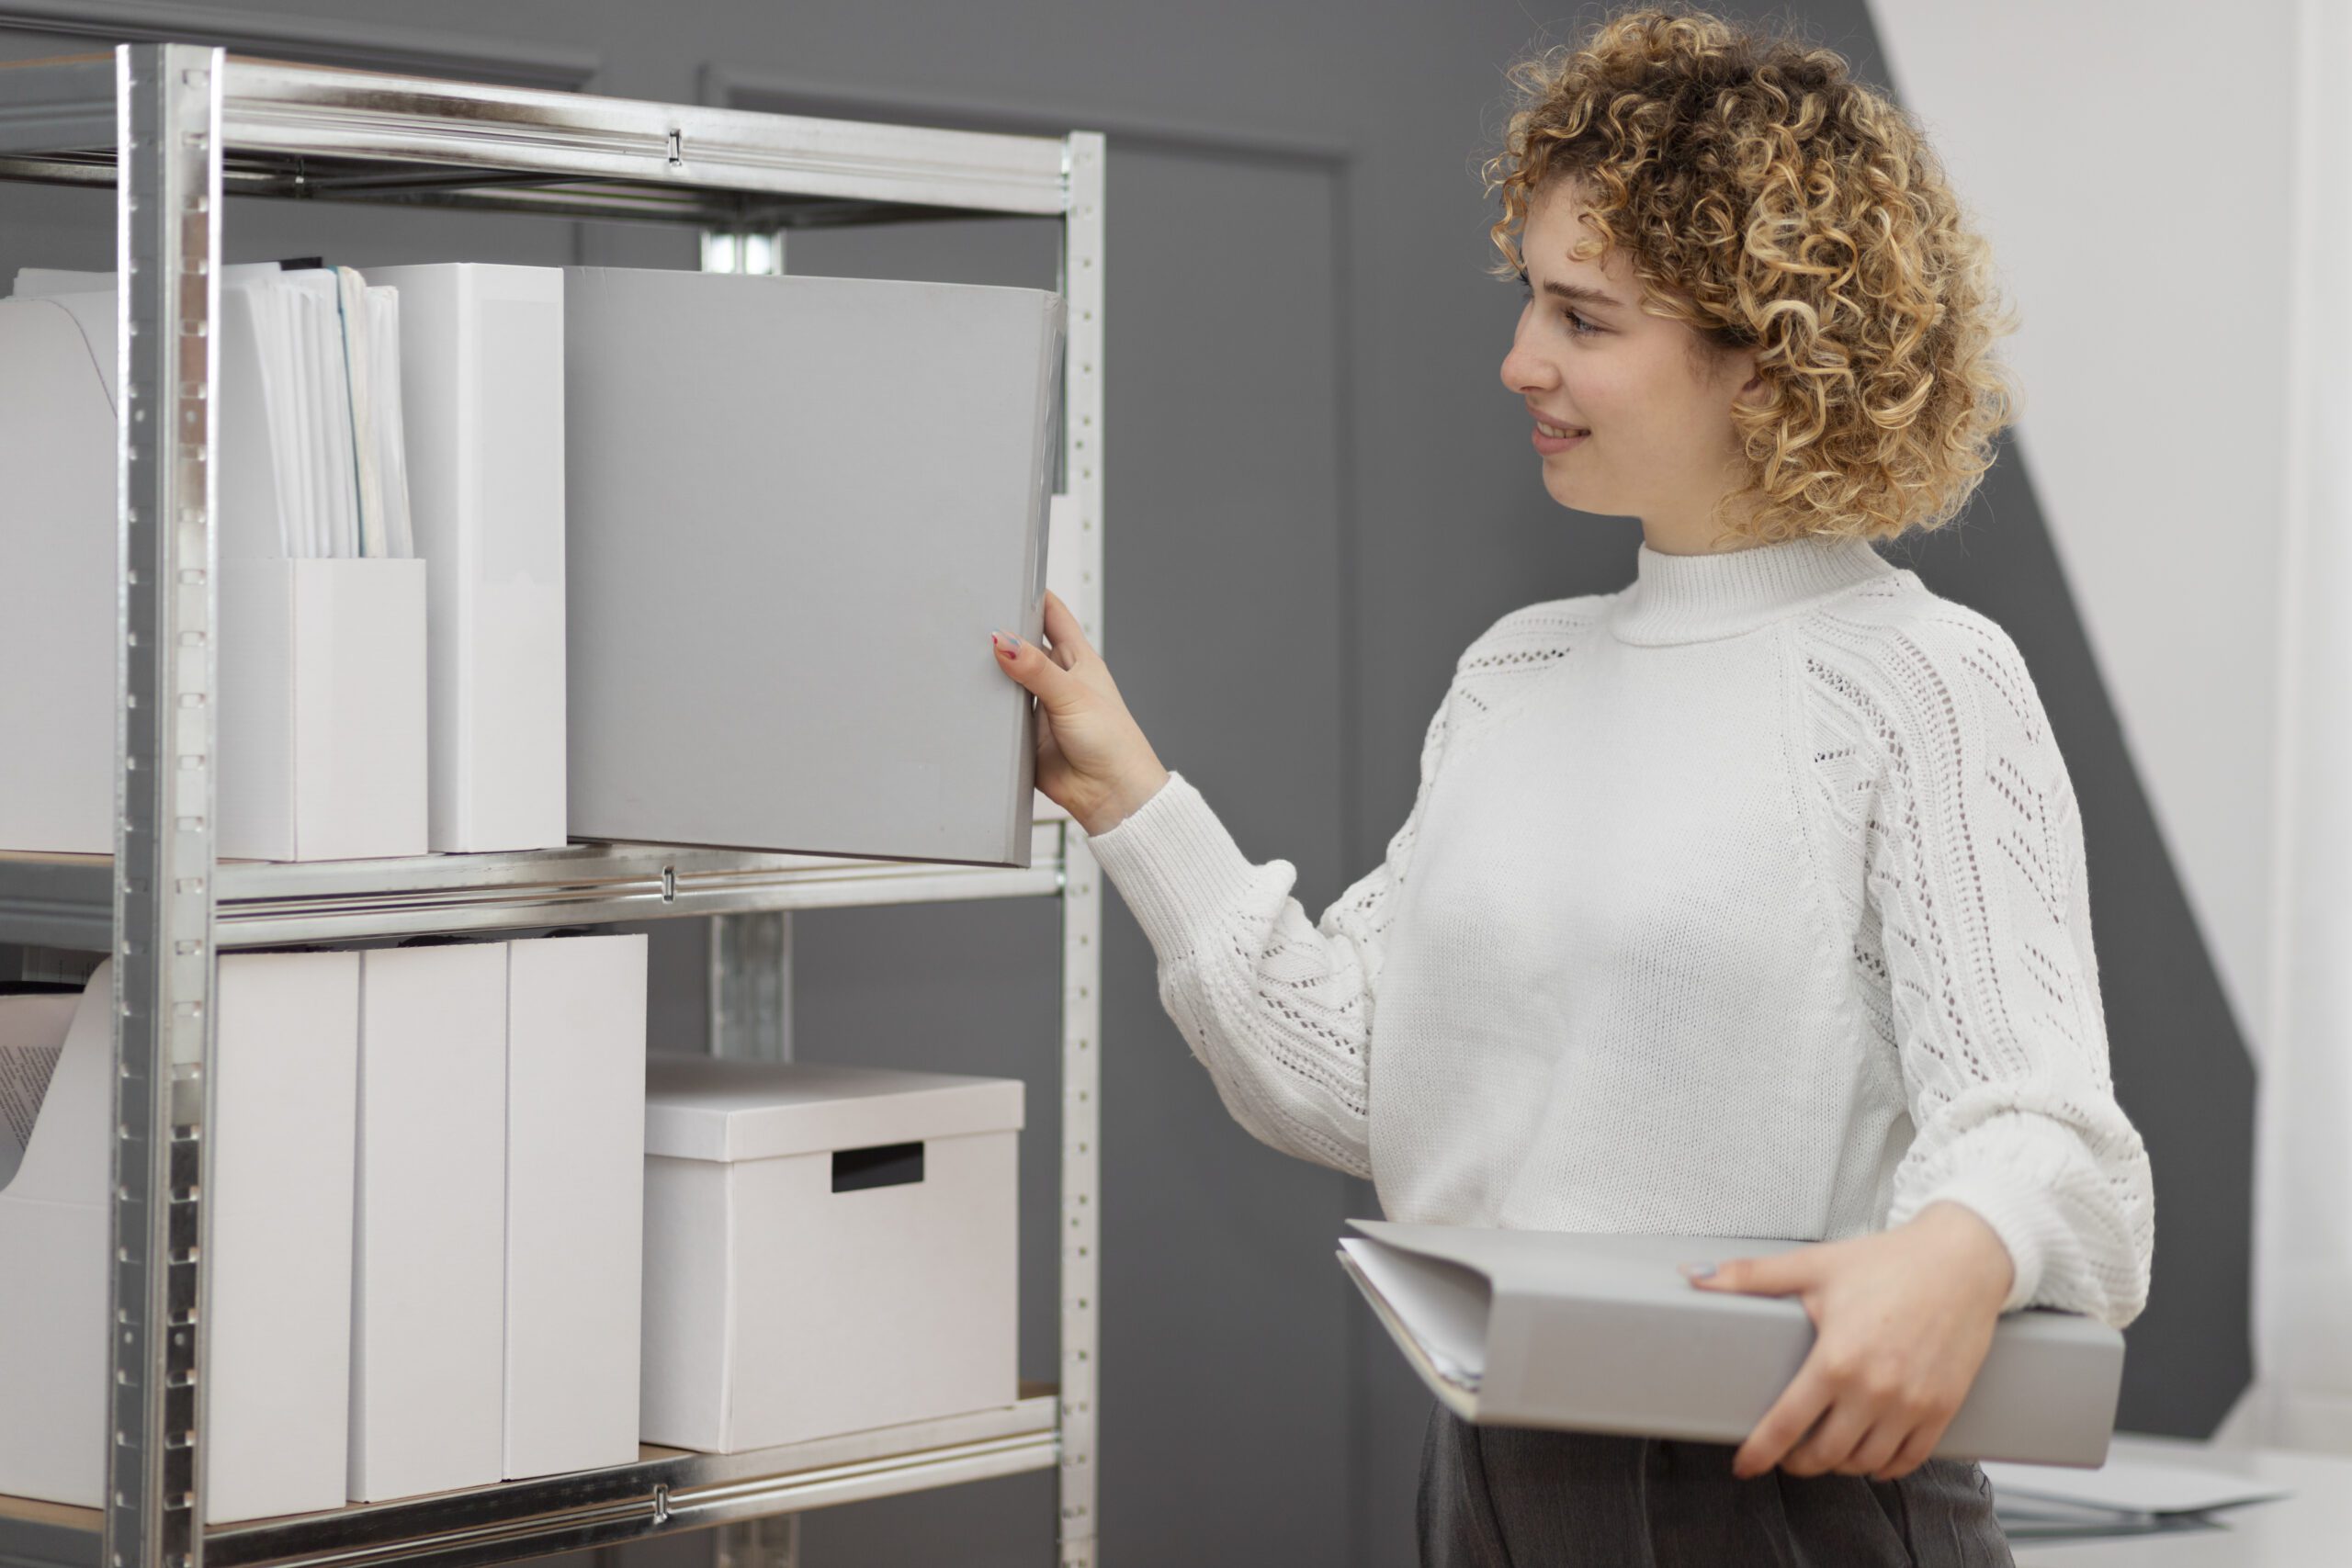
(1081, 1265)
(167, 228)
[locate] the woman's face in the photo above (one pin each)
(1661, 446)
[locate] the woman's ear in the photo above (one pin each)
(1743, 369)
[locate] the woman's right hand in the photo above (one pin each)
(1093, 760)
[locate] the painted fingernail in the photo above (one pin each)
(1698, 1270)
(1006, 643)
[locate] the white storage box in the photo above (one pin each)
(321, 706)
(575, 1199)
(428, 1320)
(828, 1249)
(277, 1273)
(321, 662)
(321, 696)
(482, 383)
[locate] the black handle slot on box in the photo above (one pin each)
(885, 1164)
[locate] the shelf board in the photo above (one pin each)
(666, 1491)
(48, 900)
(325, 131)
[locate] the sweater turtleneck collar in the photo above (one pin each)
(1692, 598)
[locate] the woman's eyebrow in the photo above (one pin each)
(1577, 294)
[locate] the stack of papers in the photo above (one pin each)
(312, 463)
(2121, 1497)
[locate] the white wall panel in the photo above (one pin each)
(2129, 162)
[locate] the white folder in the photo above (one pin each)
(1603, 1334)
(277, 1269)
(481, 364)
(754, 466)
(575, 1200)
(428, 1320)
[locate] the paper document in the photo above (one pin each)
(2131, 1486)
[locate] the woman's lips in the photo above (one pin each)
(1547, 444)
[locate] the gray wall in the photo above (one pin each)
(1319, 493)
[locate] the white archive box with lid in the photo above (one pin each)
(828, 1249)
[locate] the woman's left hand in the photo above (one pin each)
(1902, 1320)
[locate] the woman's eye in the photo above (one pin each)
(1577, 325)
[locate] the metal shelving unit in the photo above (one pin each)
(172, 127)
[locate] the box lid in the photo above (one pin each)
(702, 1107)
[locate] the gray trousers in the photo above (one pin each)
(1517, 1497)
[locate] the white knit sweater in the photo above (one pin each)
(1748, 900)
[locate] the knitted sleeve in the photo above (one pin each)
(1276, 1006)
(1978, 932)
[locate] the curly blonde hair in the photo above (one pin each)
(1768, 200)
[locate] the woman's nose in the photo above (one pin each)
(1524, 372)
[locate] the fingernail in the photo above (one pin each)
(1698, 1270)
(1006, 643)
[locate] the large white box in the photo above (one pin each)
(575, 1200)
(429, 1326)
(482, 379)
(276, 1269)
(828, 1249)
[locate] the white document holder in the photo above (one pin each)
(277, 1269)
(1603, 1333)
(428, 1321)
(322, 709)
(575, 1200)
(482, 370)
(320, 702)
(252, 509)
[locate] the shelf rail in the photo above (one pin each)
(168, 242)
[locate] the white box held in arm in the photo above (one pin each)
(428, 1322)
(481, 375)
(1602, 1333)
(321, 709)
(276, 1269)
(784, 560)
(828, 1249)
(575, 1199)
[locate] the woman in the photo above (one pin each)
(1746, 900)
